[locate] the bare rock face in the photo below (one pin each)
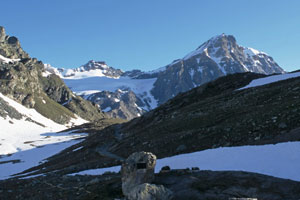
(148, 191)
(137, 174)
(10, 46)
(219, 56)
(123, 103)
(2, 34)
(136, 170)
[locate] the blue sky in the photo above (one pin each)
(149, 34)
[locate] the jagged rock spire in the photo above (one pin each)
(2, 33)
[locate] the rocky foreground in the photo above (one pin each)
(185, 184)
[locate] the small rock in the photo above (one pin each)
(282, 125)
(180, 148)
(165, 168)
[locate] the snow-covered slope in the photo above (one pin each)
(229, 56)
(49, 69)
(88, 86)
(280, 160)
(91, 69)
(27, 131)
(271, 79)
(22, 160)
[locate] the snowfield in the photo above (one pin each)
(71, 74)
(280, 160)
(19, 135)
(270, 79)
(22, 160)
(90, 85)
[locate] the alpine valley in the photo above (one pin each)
(225, 119)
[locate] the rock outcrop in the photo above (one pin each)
(123, 104)
(202, 185)
(10, 46)
(2, 34)
(137, 174)
(148, 191)
(137, 169)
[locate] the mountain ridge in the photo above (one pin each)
(22, 79)
(219, 56)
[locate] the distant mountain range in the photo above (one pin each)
(219, 56)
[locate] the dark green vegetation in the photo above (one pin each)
(185, 184)
(213, 115)
(24, 82)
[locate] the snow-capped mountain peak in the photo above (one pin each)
(230, 57)
(219, 56)
(90, 69)
(91, 65)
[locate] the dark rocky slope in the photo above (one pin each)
(185, 184)
(24, 81)
(213, 115)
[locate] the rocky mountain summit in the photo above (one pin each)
(92, 68)
(219, 56)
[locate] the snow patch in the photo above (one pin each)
(30, 158)
(98, 171)
(192, 73)
(116, 100)
(78, 148)
(8, 60)
(50, 70)
(270, 79)
(19, 135)
(71, 74)
(280, 160)
(252, 52)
